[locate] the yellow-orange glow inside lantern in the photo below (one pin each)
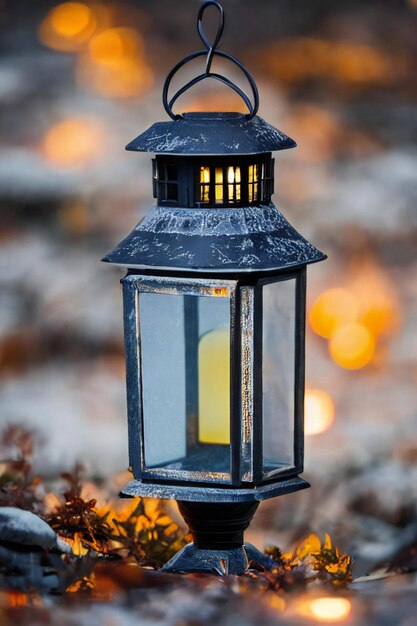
(214, 387)
(233, 178)
(219, 184)
(253, 182)
(204, 184)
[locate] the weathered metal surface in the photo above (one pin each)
(212, 134)
(247, 296)
(191, 493)
(242, 239)
(212, 51)
(221, 562)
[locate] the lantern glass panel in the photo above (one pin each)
(278, 375)
(185, 374)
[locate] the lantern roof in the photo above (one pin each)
(244, 239)
(212, 134)
(212, 239)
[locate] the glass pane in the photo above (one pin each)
(172, 191)
(278, 372)
(162, 338)
(185, 359)
(171, 171)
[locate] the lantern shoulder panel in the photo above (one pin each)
(212, 134)
(254, 238)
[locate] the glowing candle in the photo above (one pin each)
(214, 386)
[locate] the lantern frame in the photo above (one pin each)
(246, 480)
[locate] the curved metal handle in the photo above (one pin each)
(210, 52)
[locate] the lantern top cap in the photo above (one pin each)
(212, 134)
(200, 133)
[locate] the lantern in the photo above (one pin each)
(214, 310)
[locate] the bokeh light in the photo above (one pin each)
(352, 346)
(114, 65)
(67, 26)
(296, 59)
(74, 142)
(330, 609)
(113, 44)
(378, 301)
(319, 411)
(332, 309)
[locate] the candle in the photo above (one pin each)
(214, 387)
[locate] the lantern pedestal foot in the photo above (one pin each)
(220, 562)
(235, 561)
(218, 546)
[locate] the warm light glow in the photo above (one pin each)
(378, 302)
(204, 184)
(297, 59)
(352, 346)
(17, 599)
(114, 65)
(120, 78)
(73, 142)
(214, 387)
(220, 291)
(332, 309)
(204, 174)
(253, 182)
(219, 184)
(233, 178)
(330, 609)
(67, 26)
(319, 411)
(114, 44)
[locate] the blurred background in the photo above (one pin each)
(79, 80)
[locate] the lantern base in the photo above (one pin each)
(221, 562)
(218, 546)
(214, 493)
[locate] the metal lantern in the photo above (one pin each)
(214, 310)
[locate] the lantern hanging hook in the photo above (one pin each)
(210, 51)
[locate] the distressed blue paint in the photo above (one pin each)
(212, 133)
(215, 493)
(133, 382)
(253, 238)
